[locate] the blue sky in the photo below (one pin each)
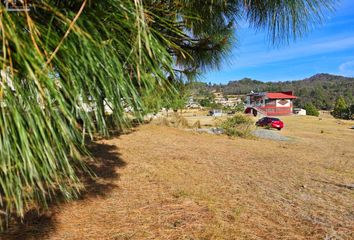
(329, 48)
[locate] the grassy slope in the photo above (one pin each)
(165, 183)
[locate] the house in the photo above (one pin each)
(191, 103)
(226, 101)
(270, 103)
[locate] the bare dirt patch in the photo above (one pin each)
(166, 183)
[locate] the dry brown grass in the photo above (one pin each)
(197, 124)
(202, 118)
(166, 183)
(174, 120)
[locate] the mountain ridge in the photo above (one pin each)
(321, 89)
(330, 77)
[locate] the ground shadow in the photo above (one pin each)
(103, 165)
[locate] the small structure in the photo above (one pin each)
(300, 111)
(215, 113)
(226, 100)
(191, 103)
(270, 103)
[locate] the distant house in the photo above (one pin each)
(191, 103)
(226, 101)
(270, 103)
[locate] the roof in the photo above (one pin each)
(280, 95)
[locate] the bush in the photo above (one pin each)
(205, 102)
(238, 125)
(311, 110)
(240, 107)
(197, 124)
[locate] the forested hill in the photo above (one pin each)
(320, 89)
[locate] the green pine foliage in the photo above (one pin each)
(341, 109)
(311, 110)
(48, 80)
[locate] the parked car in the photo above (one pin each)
(270, 122)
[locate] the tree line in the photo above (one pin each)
(321, 90)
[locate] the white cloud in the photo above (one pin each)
(347, 68)
(301, 51)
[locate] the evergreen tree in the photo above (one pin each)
(311, 110)
(340, 109)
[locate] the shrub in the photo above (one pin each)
(238, 125)
(240, 107)
(311, 110)
(161, 122)
(197, 124)
(181, 122)
(205, 102)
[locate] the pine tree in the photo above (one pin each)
(311, 110)
(340, 108)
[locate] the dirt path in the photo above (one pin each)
(165, 183)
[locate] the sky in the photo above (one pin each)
(328, 48)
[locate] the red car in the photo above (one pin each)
(270, 122)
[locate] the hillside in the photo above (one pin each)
(320, 89)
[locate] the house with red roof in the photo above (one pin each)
(270, 103)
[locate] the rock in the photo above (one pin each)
(269, 134)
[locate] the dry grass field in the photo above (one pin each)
(160, 182)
